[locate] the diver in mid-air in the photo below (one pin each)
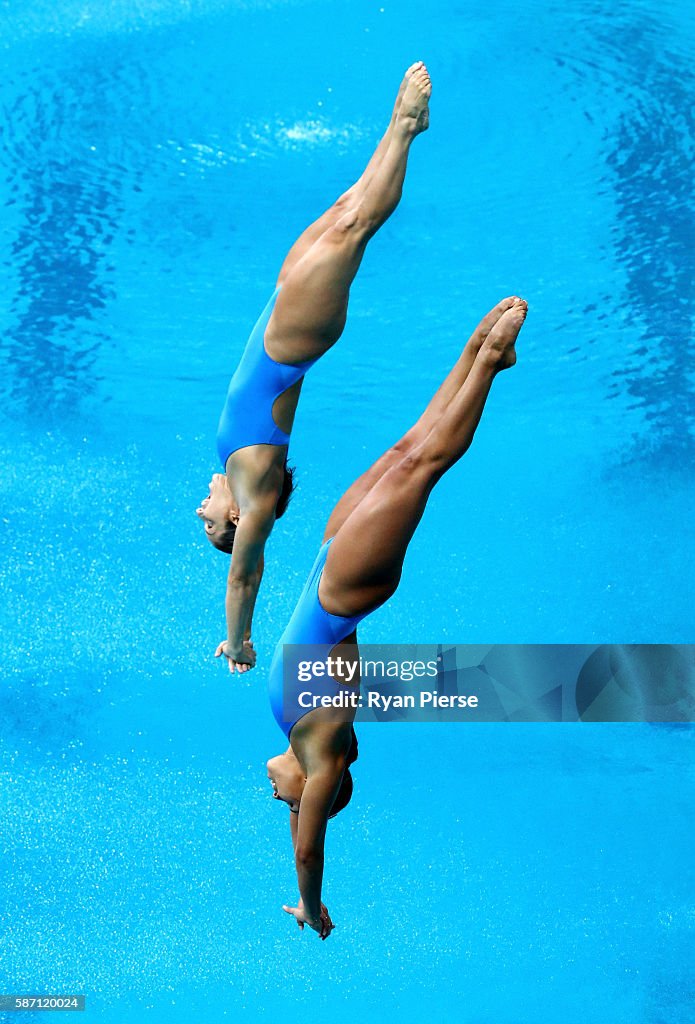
(303, 319)
(357, 569)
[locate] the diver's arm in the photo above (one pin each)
(318, 796)
(294, 818)
(298, 912)
(243, 581)
(259, 577)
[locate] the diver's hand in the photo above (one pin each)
(323, 926)
(240, 659)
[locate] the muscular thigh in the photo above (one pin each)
(363, 485)
(358, 491)
(311, 308)
(365, 560)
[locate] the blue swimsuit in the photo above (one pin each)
(247, 417)
(310, 624)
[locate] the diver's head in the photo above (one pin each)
(288, 779)
(219, 513)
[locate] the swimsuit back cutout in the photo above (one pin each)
(310, 624)
(247, 416)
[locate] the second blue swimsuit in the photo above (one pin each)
(247, 416)
(310, 624)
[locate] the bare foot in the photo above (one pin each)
(498, 346)
(488, 322)
(367, 175)
(397, 105)
(414, 116)
(399, 98)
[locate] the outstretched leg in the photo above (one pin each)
(365, 560)
(349, 198)
(419, 431)
(311, 309)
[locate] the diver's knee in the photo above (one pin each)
(358, 219)
(345, 201)
(411, 462)
(422, 464)
(348, 221)
(405, 444)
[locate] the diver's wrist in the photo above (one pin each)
(312, 919)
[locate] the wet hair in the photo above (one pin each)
(344, 794)
(225, 541)
(288, 486)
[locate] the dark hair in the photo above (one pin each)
(344, 794)
(288, 486)
(225, 541)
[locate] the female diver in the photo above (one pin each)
(357, 569)
(303, 319)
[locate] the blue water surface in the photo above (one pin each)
(158, 159)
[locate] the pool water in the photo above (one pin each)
(159, 159)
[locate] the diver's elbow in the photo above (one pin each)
(241, 580)
(308, 858)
